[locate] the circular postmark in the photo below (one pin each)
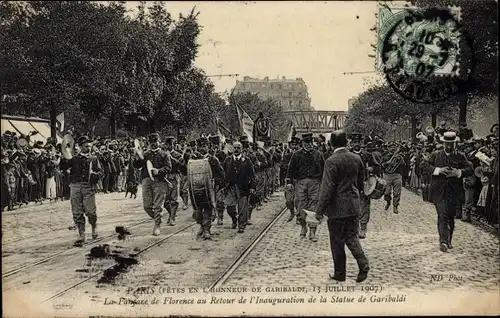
(426, 57)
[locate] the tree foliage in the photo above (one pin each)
(378, 107)
(92, 60)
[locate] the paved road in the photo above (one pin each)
(402, 249)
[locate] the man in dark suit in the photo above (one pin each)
(240, 183)
(447, 167)
(339, 199)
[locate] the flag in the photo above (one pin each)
(246, 123)
(60, 121)
(292, 133)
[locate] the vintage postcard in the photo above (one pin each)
(249, 158)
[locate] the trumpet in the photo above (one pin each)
(420, 136)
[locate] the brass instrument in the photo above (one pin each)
(420, 136)
(21, 142)
(394, 163)
(429, 131)
(68, 147)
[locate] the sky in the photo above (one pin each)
(318, 41)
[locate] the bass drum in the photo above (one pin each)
(375, 187)
(201, 183)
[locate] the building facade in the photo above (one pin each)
(292, 94)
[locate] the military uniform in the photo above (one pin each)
(84, 174)
(171, 204)
(372, 164)
(289, 193)
(204, 210)
(306, 169)
(219, 187)
(154, 192)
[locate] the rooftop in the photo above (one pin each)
(267, 79)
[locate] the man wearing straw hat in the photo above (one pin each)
(448, 168)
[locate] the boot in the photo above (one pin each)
(312, 234)
(94, 232)
(362, 234)
(290, 218)
(200, 232)
(207, 235)
(81, 239)
(395, 210)
(303, 231)
(171, 220)
(156, 229)
(387, 205)
(249, 218)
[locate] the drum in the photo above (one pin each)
(201, 183)
(375, 187)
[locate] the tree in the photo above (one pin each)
(379, 106)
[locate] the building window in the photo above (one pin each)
(290, 103)
(289, 94)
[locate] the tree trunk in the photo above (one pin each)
(112, 123)
(434, 120)
(413, 130)
(463, 99)
(53, 122)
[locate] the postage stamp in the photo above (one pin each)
(419, 52)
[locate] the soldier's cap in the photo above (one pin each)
(215, 139)
(154, 137)
(83, 140)
(322, 137)
(307, 137)
(356, 136)
(202, 141)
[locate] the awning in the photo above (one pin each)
(25, 125)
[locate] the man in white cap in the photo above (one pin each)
(447, 167)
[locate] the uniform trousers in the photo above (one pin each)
(394, 184)
(82, 198)
(365, 203)
(171, 203)
(306, 193)
(184, 189)
(153, 196)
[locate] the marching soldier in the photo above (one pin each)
(306, 169)
(240, 183)
(393, 165)
(85, 171)
(154, 191)
(219, 188)
(204, 211)
(184, 188)
(372, 166)
(289, 193)
(171, 203)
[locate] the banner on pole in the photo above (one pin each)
(246, 123)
